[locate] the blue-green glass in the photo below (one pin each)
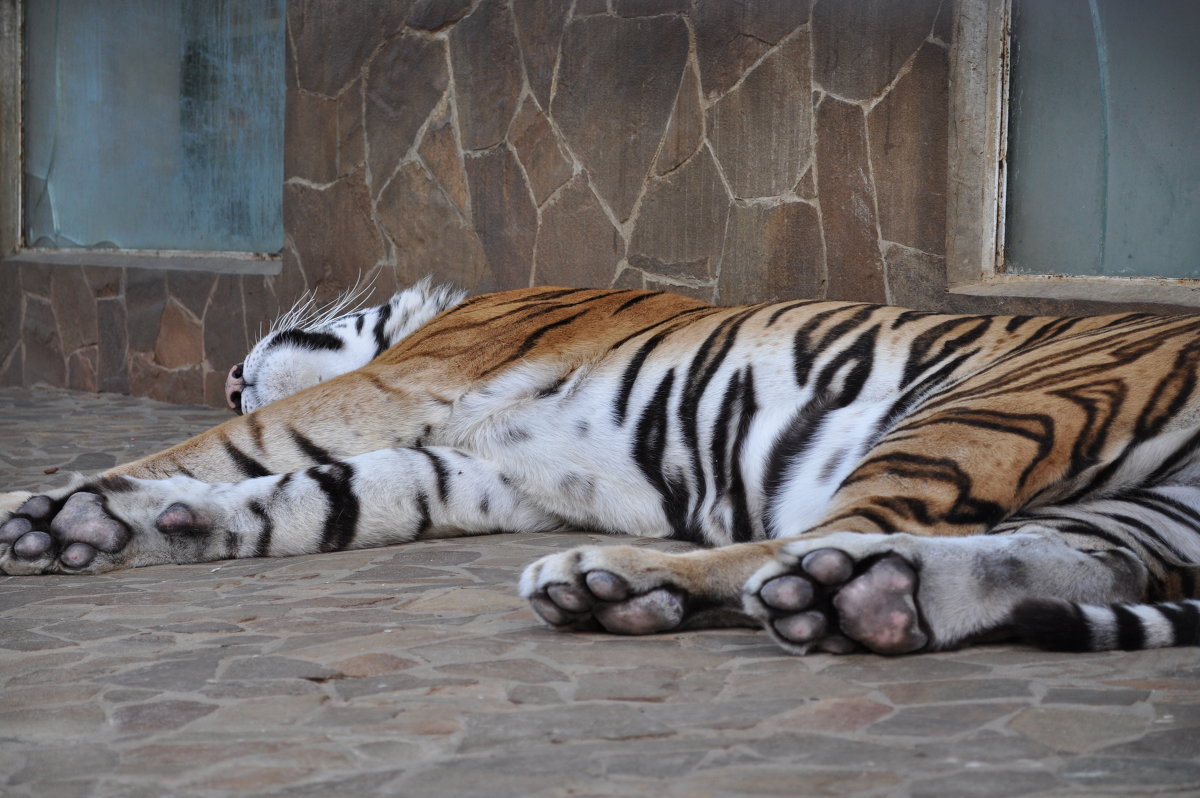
(154, 124)
(1104, 159)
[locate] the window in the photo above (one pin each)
(1103, 156)
(992, 248)
(153, 124)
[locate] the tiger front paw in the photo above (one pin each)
(97, 526)
(600, 588)
(66, 532)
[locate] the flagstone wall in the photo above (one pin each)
(732, 151)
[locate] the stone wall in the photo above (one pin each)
(732, 151)
(170, 335)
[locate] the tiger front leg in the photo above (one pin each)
(375, 499)
(109, 523)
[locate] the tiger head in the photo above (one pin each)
(286, 362)
(311, 344)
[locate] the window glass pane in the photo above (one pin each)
(1104, 160)
(154, 124)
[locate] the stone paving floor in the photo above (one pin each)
(416, 671)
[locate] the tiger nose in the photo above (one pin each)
(233, 388)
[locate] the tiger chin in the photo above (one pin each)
(857, 477)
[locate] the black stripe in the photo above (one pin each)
(966, 508)
(1185, 620)
(244, 462)
(1149, 533)
(358, 323)
(805, 350)
(1130, 634)
(922, 354)
(1052, 624)
(311, 450)
(779, 310)
(532, 339)
(629, 378)
(381, 341)
(262, 546)
(1016, 322)
(649, 451)
(1182, 454)
(556, 293)
(439, 470)
(743, 529)
(627, 304)
(423, 520)
(256, 430)
(673, 323)
(1174, 509)
(341, 520)
(303, 339)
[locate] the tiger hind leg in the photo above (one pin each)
(897, 594)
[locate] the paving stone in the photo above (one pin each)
(518, 670)
(681, 226)
(616, 81)
(941, 720)
(276, 668)
(333, 227)
(396, 109)
(859, 47)
(428, 229)
(576, 243)
(1143, 775)
(1077, 730)
(848, 213)
(185, 674)
(732, 36)
(504, 217)
(986, 784)
(983, 747)
(955, 690)
(761, 131)
(1092, 697)
(908, 132)
(1173, 744)
(539, 28)
(434, 15)
(487, 74)
(685, 131)
(345, 39)
(772, 253)
(539, 151)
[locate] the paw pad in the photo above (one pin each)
(831, 603)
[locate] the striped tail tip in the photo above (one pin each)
(1062, 626)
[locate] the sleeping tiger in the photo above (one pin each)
(861, 476)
